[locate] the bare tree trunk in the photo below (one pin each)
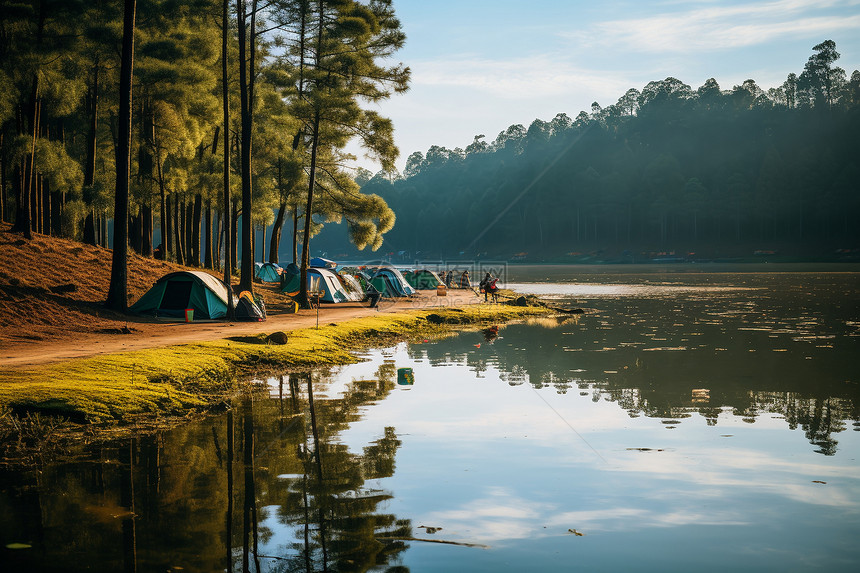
(90, 166)
(117, 297)
(164, 205)
(306, 247)
(207, 235)
(177, 228)
(167, 226)
(225, 101)
(218, 234)
(188, 235)
(135, 232)
(234, 237)
(246, 92)
(146, 230)
(295, 235)
(275, 241)
(195, 229)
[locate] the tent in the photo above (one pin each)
(423, 279)
(352, 287)
(175, 292)
(319, 280)
(388, 281)
(321, 263)
(250, 307)
(330, 287)
(290, 279)
(267, 272)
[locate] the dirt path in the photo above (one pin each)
(151, 334)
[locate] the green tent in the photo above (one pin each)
(422, 279)
(267, 272)
(173, 293)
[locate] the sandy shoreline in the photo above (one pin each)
(144, 335)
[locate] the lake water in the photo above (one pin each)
(690, 420)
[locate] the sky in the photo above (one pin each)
(479, 66)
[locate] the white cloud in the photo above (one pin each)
(722, 27)
(527, 78)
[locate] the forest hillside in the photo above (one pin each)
(667, 172)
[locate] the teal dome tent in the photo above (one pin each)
(175, 292)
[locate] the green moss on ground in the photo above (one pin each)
(176, 380)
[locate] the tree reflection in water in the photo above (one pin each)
(169, 500)
(671, 357)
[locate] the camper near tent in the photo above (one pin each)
(175, 292)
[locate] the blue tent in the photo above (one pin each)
(388, 281)
(321, 263)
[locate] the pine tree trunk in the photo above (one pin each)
(134, 231)
(92, 106)
(218, 236)
(306, 247)
(167, 225)
(164, 207)
(195, 228)
(275, 241)
(295, 235)
(177, 231)
(234, 237)
(117, 297)
(207, 235)
(225, 103)
(188, 235)
(25, 222)
(42, 212)
(146, 229)
(246, 93)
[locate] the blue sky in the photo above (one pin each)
(479, 66)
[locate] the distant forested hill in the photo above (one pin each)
(668, 169)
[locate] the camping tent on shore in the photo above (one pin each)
(388, 281)
(330, 287)
(422, 279)
(175, 292)
(324, 281)
(267, 272)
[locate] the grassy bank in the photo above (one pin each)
(173, 381)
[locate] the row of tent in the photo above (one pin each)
(177, 292)
(348, 285)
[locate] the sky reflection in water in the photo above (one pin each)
(685, 426)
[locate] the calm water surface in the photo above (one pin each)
(688, 421)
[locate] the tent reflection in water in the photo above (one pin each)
(175, 292)
(405, 377)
